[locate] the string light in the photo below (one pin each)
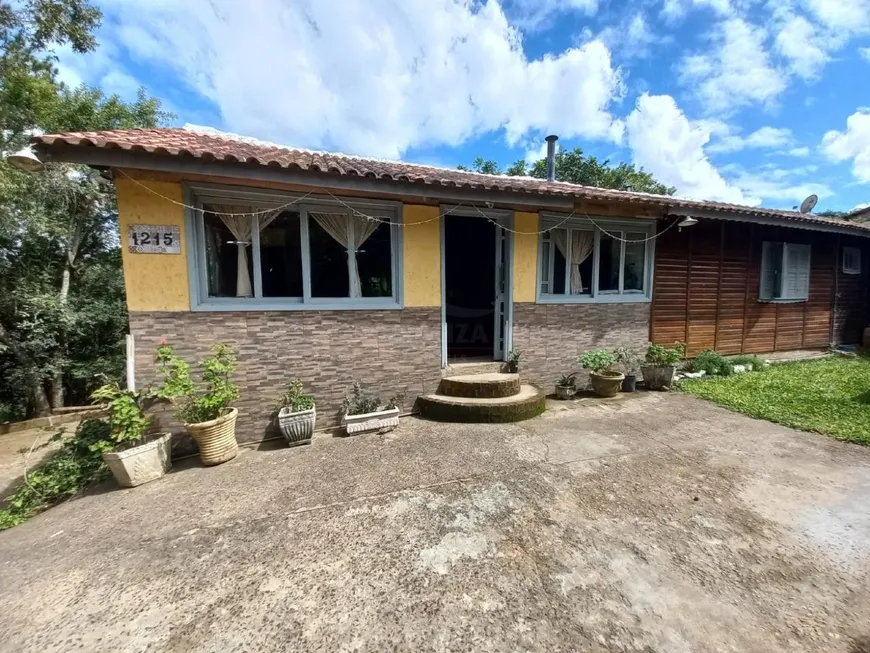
(371, 218)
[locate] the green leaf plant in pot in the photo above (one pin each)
(296, 414)
(660, 365)
(132, 454)
(513, 361)
(605, 381)
(566, 386)
(204, 408)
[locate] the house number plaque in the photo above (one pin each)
(153, 239)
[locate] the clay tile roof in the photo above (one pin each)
(213, 145)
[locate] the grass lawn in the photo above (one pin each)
(829, 396)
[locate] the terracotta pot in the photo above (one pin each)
(216, 439)
(298, 428)
(657, 377)
(138, 465)
(606, 384)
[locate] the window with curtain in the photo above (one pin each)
(580, 262)
(308, 254)
(785, 272)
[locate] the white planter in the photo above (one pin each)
(298, 428)
(381, 421)
(147, 462)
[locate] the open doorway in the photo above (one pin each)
(470, 288)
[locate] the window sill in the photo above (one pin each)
(600, 299)
(783, 301)
(267, 306)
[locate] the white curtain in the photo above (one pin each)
(240, 227)
(335, 224)
(582, 243)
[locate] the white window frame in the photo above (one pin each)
(200, 194)
(787, 250)
(596, 224)
(851, 260)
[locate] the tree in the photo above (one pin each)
(572, 166)
(62, 315)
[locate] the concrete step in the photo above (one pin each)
(472, 367)
(529, 402)
(480, 385)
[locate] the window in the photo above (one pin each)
(581, 262)
(785, 272)
(296, 256)
(851, 260)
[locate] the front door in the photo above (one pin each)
(501, 294)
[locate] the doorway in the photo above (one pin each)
(474, 289)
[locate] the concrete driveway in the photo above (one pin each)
(657, 523)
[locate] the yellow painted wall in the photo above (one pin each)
(525, 257)
(154, 282)
(422, 263)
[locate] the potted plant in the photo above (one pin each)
(566, 386)
(297, 414)
(363, 412)
(605, 382)
(660, 365)
(133, 456)
(513, 361)
(204, 410)
(630, 361)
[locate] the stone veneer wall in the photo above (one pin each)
(552, 336)
(389, 351)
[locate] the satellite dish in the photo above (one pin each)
(809, 203)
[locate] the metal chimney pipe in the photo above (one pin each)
(551, 157)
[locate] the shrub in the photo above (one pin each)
(748, 359)
(358, 401)
(127, 420)
(194, 406)
(597, 360)
(77, 464)
(295, 399)
(629, 359)
(661, 356)
(713, 363)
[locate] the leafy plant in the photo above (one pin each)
(661, 356)
(597, 360)
(567, 381)
(294, 399)
(747, 360)
(77, 464)
(358, 401)
(127, 419)
(395, 401)
(192, 405)
(514, 356)
(630, 359)
(713, 363)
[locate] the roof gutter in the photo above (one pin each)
(769, 220)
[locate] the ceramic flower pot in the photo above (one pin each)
(606, 384)
(138, 465)
(565, 391)
(297, 428)
(658, 377)
(380, 421)
(216, 438)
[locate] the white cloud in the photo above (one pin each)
(411, 73)
(854, 144)
(799, 151)
(850, 16)
(674, 9)
(764, 138)
(633, 37)
(538, 14)
(858, 207)
(737, 73)
(804, 47)
(865, 52)
(671, 147)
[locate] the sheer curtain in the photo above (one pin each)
(582, 243)
(335, 224)
(240, 228)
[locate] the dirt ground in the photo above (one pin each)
(656, 523)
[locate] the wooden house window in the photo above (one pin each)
(785, 272)
(851, 260)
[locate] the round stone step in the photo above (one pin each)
(529, 402)
(480, 386)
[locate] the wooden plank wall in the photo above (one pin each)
(706, 291)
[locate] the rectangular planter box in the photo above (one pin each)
(141, 464)
(381, 421)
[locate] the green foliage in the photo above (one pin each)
(713, 363)
(630, 359)
(661, 356)
(294, 398)
(597, 360)
(64, 474)
(194, 405)
(514, 356)
(567, 381)
(829, 396)
(126, 417)
(748, 360)
(359, 402)
(574, 167)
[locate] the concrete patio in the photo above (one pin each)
(650, 523)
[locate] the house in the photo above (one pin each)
(333, 268)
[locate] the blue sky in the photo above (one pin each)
(760, 102)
